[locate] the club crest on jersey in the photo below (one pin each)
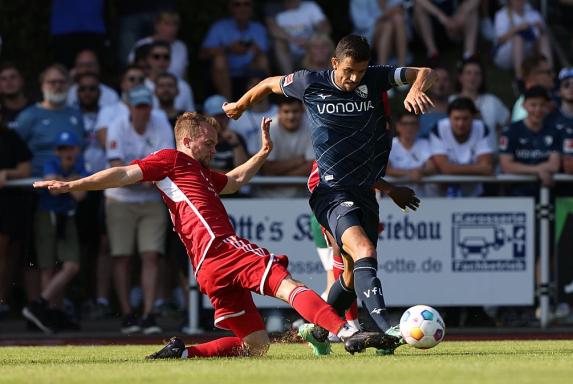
(568, 146)
(548, 140)
(288, 79)
(362, 91)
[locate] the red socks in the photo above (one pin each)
(337, 269)
(223, 347)
(311, 307)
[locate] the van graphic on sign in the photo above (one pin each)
(488, 241)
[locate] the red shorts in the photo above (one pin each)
(233, 268)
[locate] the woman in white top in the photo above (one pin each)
(519, 30)
(410, 156)
(471, 84)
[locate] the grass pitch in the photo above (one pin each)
(513, 362)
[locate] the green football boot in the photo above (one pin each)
(392, 331)
(319, 347)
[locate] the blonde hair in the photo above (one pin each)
(317, 38)
(189, 125)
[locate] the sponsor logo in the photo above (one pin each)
(372, 292)
(328, 177)
(362, 91)
(347, 203)
(503, 143)
(568, 146)
(376, 311)
(348, 107)
(323, 96)
(288, 79)
(488, 242)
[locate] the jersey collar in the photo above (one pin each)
(333, 82)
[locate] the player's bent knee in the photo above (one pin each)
(257, 343)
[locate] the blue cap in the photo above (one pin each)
(565, 73)
(140, 95)
(214, 105)
(67, 139)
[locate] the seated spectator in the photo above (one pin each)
(249, 124)
(456, 21)
(391, 31)
(462, 145)
(166, 92)
(319, 52)
(231, 149)
(135, 216)
(12, 95)
(166, 28)
(471, 84)
(410, 155)
(157, 62)
(292, 153)
(293, 28)
(87, 62)
(56, 236)
(439, 93)
(529, 146)
(14, 164)
(40, 124)
(536, 71)
(364, 15)
(562, 119)
(235, 46)
(520, 32)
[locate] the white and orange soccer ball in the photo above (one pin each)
(422, 327)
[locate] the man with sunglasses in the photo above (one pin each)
(157, 62)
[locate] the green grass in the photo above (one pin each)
(514, 362)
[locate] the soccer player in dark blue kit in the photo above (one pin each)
(351, 142)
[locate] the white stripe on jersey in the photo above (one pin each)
(171, 190)
(226, 316)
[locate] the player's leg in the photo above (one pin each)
(341, 295)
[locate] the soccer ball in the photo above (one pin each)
(422, 327)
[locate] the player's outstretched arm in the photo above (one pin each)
(245, 172)
(267, 86)
(403, 197)
(108, 178)
(417, 100)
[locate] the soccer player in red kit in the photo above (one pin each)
(228, 268)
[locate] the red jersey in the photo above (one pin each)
(191, 192)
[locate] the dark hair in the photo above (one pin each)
(529, 65)
(462, 65)
(87, 76)
(2, 119)
(166, 75)
(10, 65)
(283, 100)
(537, 91)
(129, 68)
(353, 46)
(401, 113)
(462, 104)
(158, 43)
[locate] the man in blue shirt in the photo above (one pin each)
(235, 46)
(351, 143)
(529, 146)
(562, 118)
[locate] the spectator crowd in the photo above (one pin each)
(120, 238)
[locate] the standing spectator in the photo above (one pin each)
(14, 164)
(248, 125)
(166, 91)
(235, 46)
(231, 149)
(293, 28)
(461, 20)
(56, 236)
(166, 28)
(529, 146)
(462, 145)
(520, 31)
(292, 153)
(410, 155)
(158, 60)
(536, 71)
(471, 84)
(88, 96)
(76, 25)
(319, 52)
(439, 93)
(40, 124)
(135, 215)
(562, 119)
(87, 62)
(12, 95)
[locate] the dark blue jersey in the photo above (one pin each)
(528, 147)
(563, 124)
(349, 134)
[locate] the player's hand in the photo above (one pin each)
(546, 177)
(232, 110)
(417, 101)
(3, 178)
(416, 174)
(266, 142)
(54, 186)
(404, 197)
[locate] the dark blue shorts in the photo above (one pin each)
(338, 210)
